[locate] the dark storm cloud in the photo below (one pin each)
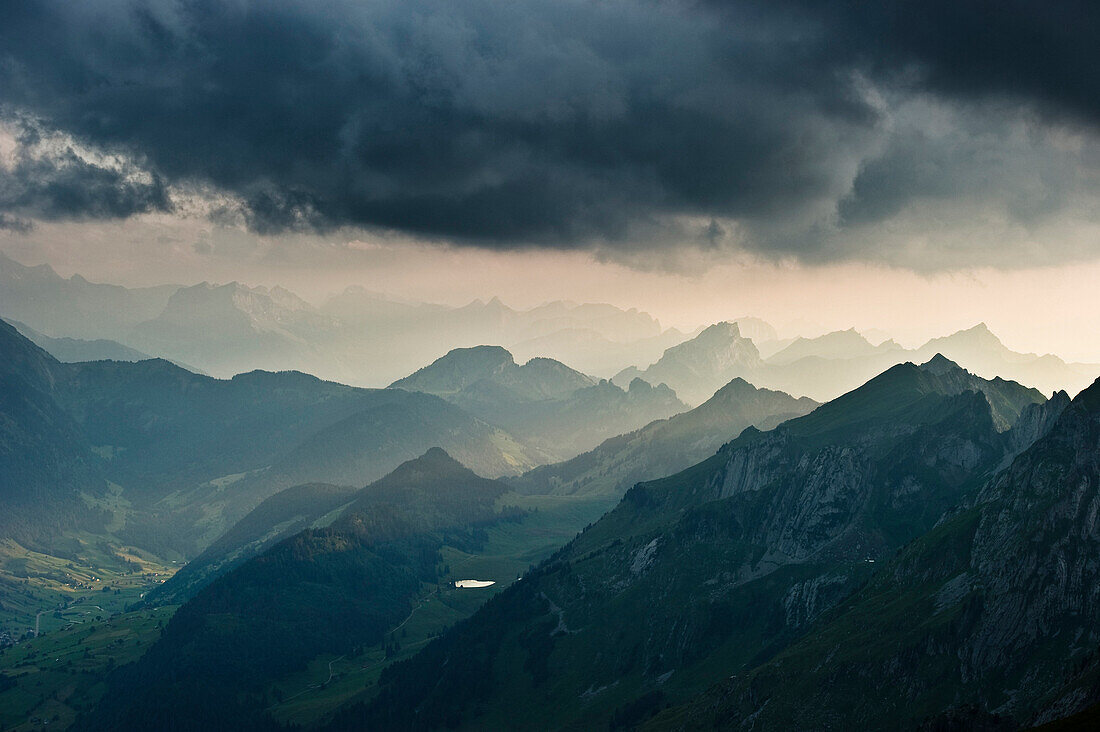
(49, 181)
(1046, 52)
(565, 124)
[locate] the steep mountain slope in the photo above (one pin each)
(321, 591)
(543, 402)
(719, 566)
(20, 358)
(45, 462)
(993, 615)
(697, 368)
(45, 466)
(282, 515)
(666, 446)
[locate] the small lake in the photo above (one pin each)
(473, 583)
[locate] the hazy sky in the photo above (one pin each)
(912, 166)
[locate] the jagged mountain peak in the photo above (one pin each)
(903, 385)
(940, 364)
(736, 385)
(723, 329)
(696, 368)
(980, 331)
(979, 334)
(638, 385)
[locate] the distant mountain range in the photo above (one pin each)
(74, 307)
(289, 590)
(74, 350)
(839, 344)
(830, 365)
(363, 338)
(916, 550)
(356, 337)
(543, 402)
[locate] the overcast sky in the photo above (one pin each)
(913, 166)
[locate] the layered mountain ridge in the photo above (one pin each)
(835, 363)
(192, 454)
(667, 446)
(323, 590)
(731, 559)
(544, 402)
(356, 337)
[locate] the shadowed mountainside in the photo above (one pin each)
(325, 590)
(719, 566)
(1006, 590)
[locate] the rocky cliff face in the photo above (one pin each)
(1035, 421)
(993, 614)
